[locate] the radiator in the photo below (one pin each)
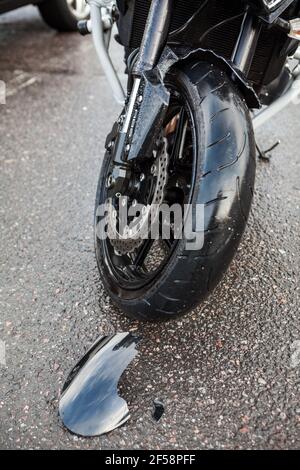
(221, 39)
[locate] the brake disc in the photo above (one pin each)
(137, 230)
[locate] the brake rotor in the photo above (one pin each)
(137, 230)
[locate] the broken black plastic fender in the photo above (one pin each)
(90, 404)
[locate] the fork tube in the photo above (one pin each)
(155, 35)
(247, 41)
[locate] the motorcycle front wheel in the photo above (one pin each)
(211, 161)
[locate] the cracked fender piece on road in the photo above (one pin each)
(90, 404)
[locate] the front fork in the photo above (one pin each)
(155, 36)
(245, 47)
(154, 40)
(130, 143)
(153, 43)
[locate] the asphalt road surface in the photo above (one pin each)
(228, 373)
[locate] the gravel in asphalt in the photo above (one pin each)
(228, 373)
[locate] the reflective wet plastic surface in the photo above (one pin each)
(90, 404)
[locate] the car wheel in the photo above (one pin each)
(63, 15)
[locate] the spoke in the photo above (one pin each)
(169, 242)
(127, 266)
(143, 253)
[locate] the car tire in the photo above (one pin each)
(60, 15)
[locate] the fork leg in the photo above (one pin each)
(155, 35)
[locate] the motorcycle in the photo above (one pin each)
(202, 77)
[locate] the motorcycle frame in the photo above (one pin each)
(156, 57)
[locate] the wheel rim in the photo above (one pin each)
(79, 8)
(136, 270)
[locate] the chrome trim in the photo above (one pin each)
(132, 101)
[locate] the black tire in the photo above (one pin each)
(224, 180)
(57, 14)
